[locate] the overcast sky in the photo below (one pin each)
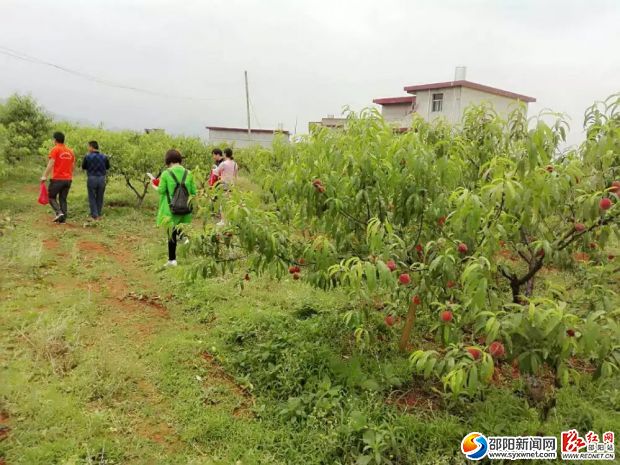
(305, 59)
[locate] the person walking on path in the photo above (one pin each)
(226, 172)
(176, 186)
(96, 165)
(218, 158)
(60, 166)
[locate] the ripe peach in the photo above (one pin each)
(497, 350)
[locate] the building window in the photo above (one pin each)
(437, 102)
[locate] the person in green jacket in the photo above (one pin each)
(166, 188)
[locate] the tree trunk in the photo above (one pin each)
(515, 287)
(140, 197)
(528, 279)
(529, 288)
(411, 314)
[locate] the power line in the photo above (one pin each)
(255, 114)
(24, 57)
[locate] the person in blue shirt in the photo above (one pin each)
(96, 165)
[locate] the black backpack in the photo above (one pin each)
(179, 204)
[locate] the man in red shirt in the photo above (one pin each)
(60, 166)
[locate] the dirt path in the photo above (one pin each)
(92, 329)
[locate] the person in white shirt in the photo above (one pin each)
(227, 174)
(227, 170)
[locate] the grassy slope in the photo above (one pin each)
(101, 359)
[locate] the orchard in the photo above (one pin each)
(372, 296)
(452, 230)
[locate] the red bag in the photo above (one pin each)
(43, 197)
(213, 179)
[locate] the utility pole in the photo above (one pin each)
(247, 102)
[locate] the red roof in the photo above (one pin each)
(259, 131)
(471, 85)
(394, 100)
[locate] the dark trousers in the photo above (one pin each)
(58, 190)
(172, 244)
(96, 189)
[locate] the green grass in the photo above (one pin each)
(101, 359)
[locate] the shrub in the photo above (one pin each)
(26, 125)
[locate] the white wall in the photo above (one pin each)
(397, 112)
(456, 100)
(502, 105)
(241, 139)
(451, 109)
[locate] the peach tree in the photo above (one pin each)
(133, 154)
(450, 226)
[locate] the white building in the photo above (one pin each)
(396, 108)
(240, 137)
(447, 100)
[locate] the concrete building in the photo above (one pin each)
(329, 122)
(240, 138)
(447, 100)
(397, 109)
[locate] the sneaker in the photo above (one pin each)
(171, 263)
(60, 218)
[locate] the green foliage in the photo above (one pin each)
(26, 126)
(3, 145)
(141, 392)
(486, 206)
(293, 364)
(458, 369)
(133, 154)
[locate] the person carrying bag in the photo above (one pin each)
(176, 187)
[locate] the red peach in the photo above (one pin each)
(474, 352)
(497, 350)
